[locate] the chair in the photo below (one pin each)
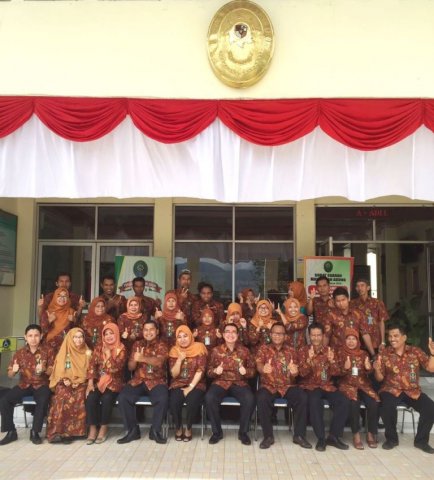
(405, 409)
(278, 403)
(226, 402)
(26, 401)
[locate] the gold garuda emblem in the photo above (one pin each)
(240, 43)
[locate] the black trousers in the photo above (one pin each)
(424, 405)
(14, 396)
(214, 397)
(297, 400)
(193, 401)
(99, 406)
(340, 406)
(371, 413)
(129, 395)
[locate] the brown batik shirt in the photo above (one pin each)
(115, 367)
(375, 312)
(232, 360)
(336, 322)
(27, 362)
(356, 377)
(401, 372)
(280, 379)
(318, 372)
(148, 374)
(189, 367)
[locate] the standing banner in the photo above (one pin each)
(152, 269)
(339, 271)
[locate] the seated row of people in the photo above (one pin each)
(86, 384)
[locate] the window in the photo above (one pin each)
(85, 239)
(235, 247)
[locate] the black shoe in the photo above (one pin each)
(336, 442)
(35, 438)
(267, 442)
(10, 437)
(66, 440)
(157, 436)
(299, 440)
(244, 439)
(320, 445)
(389, 444)
(425, 447)
(133, 434)
(215, 438)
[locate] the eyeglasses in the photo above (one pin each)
(280, 334)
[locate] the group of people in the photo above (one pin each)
(189, 351)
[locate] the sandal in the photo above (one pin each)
(357, 442)
(371, 440)
(179, 437)
(187, 438)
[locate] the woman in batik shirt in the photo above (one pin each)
(106, 379)
(170, 319)
(131, 323)
(187, 362)
(94, 321)
(356, 386)
(260, 326)
(295, 323)
(57, 320)
(67, 415)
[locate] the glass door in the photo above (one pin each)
(76, 259)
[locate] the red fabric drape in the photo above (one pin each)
(363, 124)
(172, 121)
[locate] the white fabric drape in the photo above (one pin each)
(215, 165)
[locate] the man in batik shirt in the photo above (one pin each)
(317, 365)
(374, 311)
(34, 363)
(115, 304)
(342, 317)
(278, 370)
(229, 367)
(148, 361)
(398, 368)
(320, 306)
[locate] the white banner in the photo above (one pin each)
(214, 165)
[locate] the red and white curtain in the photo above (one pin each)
(226, 150)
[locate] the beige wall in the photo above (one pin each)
(334, 48)
(16, 302)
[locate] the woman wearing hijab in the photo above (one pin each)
(260, 326)
(58, 319)
(235, 315)
(94, 321)
(356, 386)
(187, 362)
(131, 323)
(207, 333)
(106, 379)
(67, 415)
(295, 323)
(170, 318)
(296, 290)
